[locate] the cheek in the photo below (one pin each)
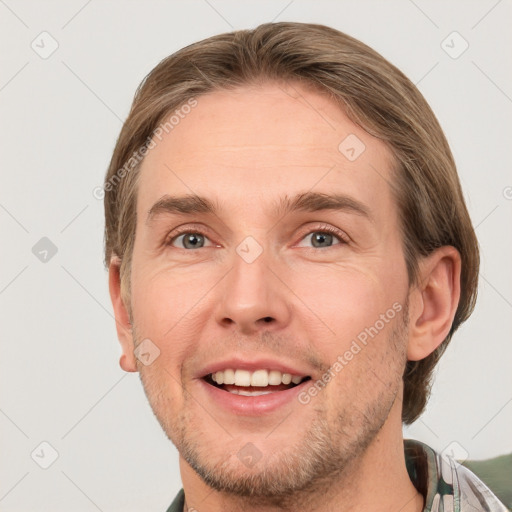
(367, 367)
(163, 297)
(348, 300)
(170, 307)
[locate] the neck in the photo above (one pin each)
(377, 480)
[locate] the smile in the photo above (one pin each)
(253, 383)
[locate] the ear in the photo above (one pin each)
(123, 324)
(433, 302)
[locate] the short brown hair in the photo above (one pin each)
(374, 94)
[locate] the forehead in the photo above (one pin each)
(245, 145)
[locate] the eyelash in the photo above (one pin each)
(341, 236)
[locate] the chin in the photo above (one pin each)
(268, 470)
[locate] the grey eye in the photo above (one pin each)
(321, 239)
(192, 240)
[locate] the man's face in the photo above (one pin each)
(254, 287)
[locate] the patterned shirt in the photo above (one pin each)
(445, 485)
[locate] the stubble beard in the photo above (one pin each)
(326, 452)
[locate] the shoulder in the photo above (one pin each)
(178, 503)
(446, 484)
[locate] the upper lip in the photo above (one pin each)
(237, 363)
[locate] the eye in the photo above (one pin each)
(190, 240)
(320, 238)
(325, 237)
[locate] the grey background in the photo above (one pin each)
(59, 375)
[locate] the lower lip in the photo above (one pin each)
(252, 405)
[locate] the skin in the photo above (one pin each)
(246, 149)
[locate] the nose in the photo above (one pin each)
(253, 297)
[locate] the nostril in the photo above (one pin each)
(268, 319)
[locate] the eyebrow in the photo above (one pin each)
(304, 202)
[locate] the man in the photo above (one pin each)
(289, 254)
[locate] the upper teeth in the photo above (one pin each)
(259, 378)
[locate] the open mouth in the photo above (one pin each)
(257, 383)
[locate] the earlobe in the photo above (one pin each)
(127, 363)
(433, 302)
(122, 317)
